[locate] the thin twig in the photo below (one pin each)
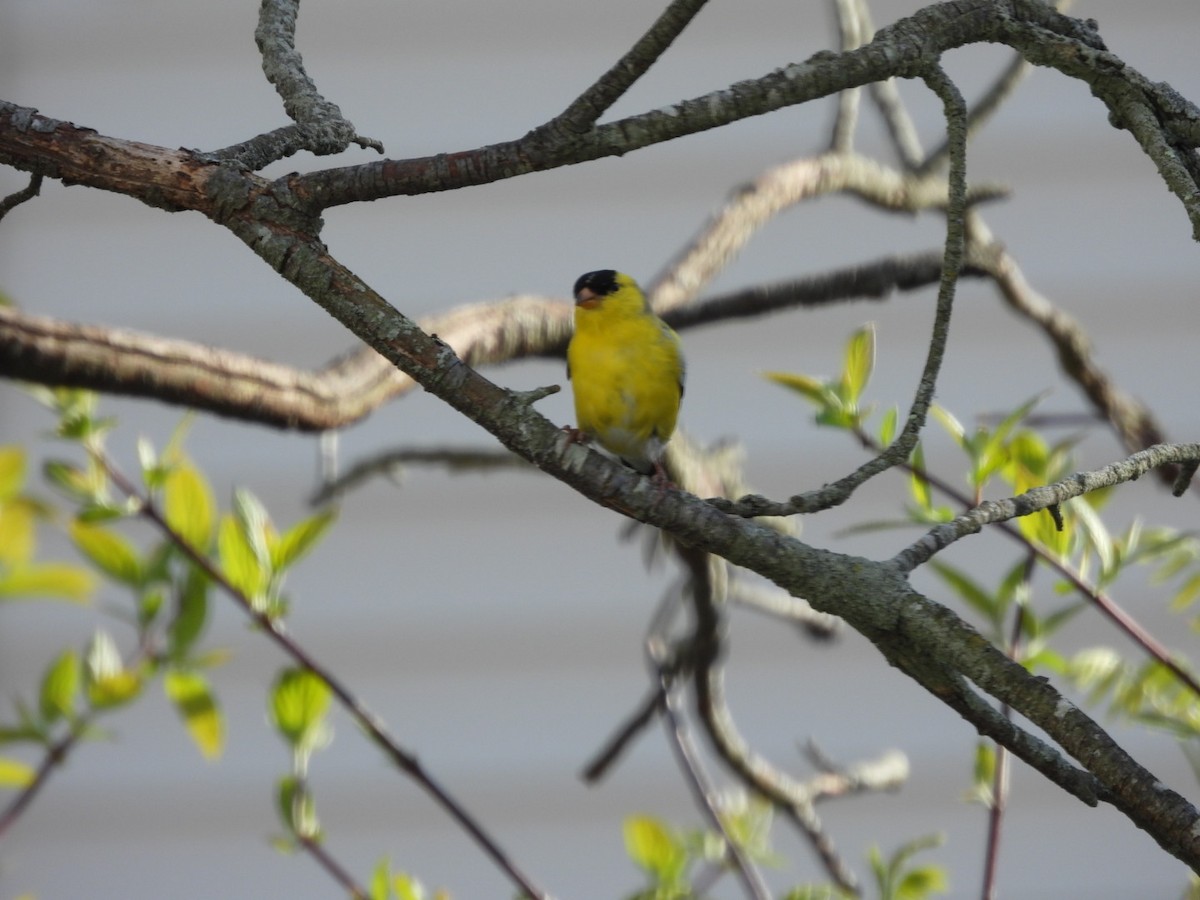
(703, 790)
(320, 126)
(1039, 498)
(839, 491)
(54, 757)
(999, 797)
(707, 589)
(335, 869)
(391, 463)
(15, 199)
(651, 706)
(589, 106)
(851, 35)
(1131, 419)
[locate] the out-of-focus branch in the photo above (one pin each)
(48, 351)
(854, 30)
(16, 198)
(1133, 422)
(119, 361)
(754, 205)
(702, 787)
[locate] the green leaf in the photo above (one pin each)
(386, 884)
(922, 882)
(191, 613)
(747, 821)
(918, 483)
(299, 539)
(858, 363)
(92, 513)
(15, 774)
(953, 427)
(255, 524)
(297, 808)
(193, 699)
(12, 472)
(381, 876)
(109, 683)
(887, 427)
(238, 561)
(60, 687)
(984, 774)
(58, 581)
(77, 483)
(189, 506)
(173, 452)
(970, 591)
(18, 537)
(108, 551)
(299, 702)
(814, 390)
(405, 887)
(655, 849)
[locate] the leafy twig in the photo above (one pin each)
(366, 719)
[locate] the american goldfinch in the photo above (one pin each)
(626, 369)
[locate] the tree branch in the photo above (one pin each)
(589, 106)
(119, 361)
(320, 126)
(1040, 498)
(834, 494)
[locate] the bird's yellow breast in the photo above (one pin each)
(627, 371)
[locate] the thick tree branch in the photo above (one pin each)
(1164, 123)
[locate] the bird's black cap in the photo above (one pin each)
(601, 282)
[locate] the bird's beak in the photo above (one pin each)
(587, 298)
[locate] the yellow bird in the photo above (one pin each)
(626, 369)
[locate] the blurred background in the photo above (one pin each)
(496, 622)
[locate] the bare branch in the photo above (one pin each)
(1040, 498)
(903, 50)
(838, 492)
(391, 463)
(589, 106)
(853, 31)
(119, 361)
(703, 790)
(320, 126)
(16, 198)
(1133, 422)
(637, 722)
(821, 626)
(1006, 82)
(752, 206)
